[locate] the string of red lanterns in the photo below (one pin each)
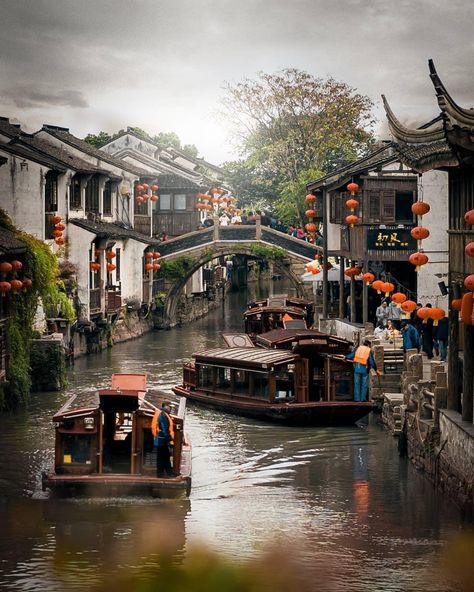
(13, 284)
(419, 233)
(310, 213)
(352, 204)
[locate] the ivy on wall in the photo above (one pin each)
(267, 252)
(177, 269)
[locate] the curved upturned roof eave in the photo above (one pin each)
(462, 116)
(412, 136)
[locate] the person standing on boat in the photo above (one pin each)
(364, 360)
(162, 429)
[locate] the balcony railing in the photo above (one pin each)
(113, 300)
(94, 300)
(146, 291)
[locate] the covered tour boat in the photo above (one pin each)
(104, 443)
(277, 312)
(310, 386)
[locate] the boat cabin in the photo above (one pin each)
(262, 319)
(107, 433)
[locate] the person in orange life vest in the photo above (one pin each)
(364, 360)
(162, 429)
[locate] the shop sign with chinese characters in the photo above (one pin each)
(390, 238)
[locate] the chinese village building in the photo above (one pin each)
(448, 145)
(380, 242)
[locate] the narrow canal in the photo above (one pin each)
(340, 501)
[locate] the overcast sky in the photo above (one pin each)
(94, 65)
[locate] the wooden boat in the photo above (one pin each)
(104, 444)
(276, 384)
(277, 312)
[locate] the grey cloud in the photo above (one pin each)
(34, 98)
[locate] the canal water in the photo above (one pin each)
(338, 503)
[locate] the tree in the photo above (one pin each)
(291, 127)
(98, 140)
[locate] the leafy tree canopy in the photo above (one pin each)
(290, 128)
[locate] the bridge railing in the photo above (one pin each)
(191, 240)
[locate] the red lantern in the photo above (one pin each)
(5, 267)
(140, 199)
(17, 265)
(469, 217)
(310, 198)
(377, 285)
(408, 306)
(456, 304)
(154, 187)
(350, 271)
(399, 297)
(92, 265)
(140, 188)
(148, 266)
(156, 266)
(387, 287)
(27, 283)
(368, 278)
(469, 249)
(111, 267)
(5, 287)
(469, 282)
(97, 253)
(56, 233)
(149, 255)
(60, 227)
(420, 233)
(352, 204)
(437, 314)
(310, 213)
(424, 313)
(310, 227)
(154, 198)
(156, 255)
(352, 188)
(16, 285)
(56, 219)
(146, 197)
(110, 255)
(418, 259)
(59, 240)
(420, 208)
(145, 186)
(351, 220)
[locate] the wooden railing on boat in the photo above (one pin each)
(189, 375)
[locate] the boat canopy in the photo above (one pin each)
(245, 357)
(303, 339)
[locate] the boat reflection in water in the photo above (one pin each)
(104, 443)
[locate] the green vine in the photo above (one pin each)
(176, 269)
(267, 252)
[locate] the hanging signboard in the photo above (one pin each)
(398, 239)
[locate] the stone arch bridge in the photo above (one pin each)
(209, 243)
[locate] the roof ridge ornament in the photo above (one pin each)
(446, 103)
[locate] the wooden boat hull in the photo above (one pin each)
(321, 413)
(116, 485)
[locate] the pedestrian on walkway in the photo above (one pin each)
(364, 361)
(441, 334)
(427, 335)
(411, 339)
(381, 314)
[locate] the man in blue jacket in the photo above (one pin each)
(411, 339)
(364, 360)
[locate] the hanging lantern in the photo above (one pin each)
(111, 267)
(154, 187)
(27, 283)
(140, 199)
(353, 188)
(110, 255)
(16, 285)
(437, 314)
(5, 267)
(17, 265)
(314, 270)
(148, 266)
(456, 304)
(140, 188)
(352, 219)
(5, 287)
(145, 186)
(467, 307)
(469, 249)
(399, 298)
(310, 227)
(469, 282)
(420, 208)
(199, 205)
(56, 233)
(368, 278)
(149, 255)
(377, 285)
(156, 255)
(469, 217)
(310, 198)
(56, 219)
(350, 271)
(418, 259)
(97, 253)
(310, 213)
(156, 266)
(60, 227)
(60, 240)
(154, 197)
(352, 204)
(387, 287)
(93, 266)
(420, 233)
(408, 306)
(423, 313)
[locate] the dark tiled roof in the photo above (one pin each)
(66, 137)
(9, 243)
(110, 230)
(33, 155)
(9, 129)
(170, 181)
(423, 157)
